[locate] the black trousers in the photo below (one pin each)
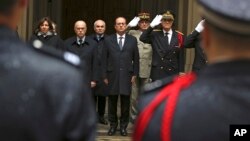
(100, 102)
(112, 110)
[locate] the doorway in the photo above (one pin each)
(91, 10)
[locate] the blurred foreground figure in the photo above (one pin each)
(42, 97)
(201, 107)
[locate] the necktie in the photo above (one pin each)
(166, 35)
(98, 37)
(80, 42)
(120, 42)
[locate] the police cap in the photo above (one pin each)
(229, 15)
(144, 16)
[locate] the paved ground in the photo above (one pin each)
(102, 134)
(103, 129)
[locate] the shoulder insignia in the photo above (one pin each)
(158, 84)
(65, 56)
(157, 30)
(179, 32)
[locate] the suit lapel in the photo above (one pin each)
(125, 42)
(114, 42)
(174, 40)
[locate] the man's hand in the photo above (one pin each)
(182, 73)
(93, 84)
(106, 81)
(134, 22)
(133, 79)
(199, 28)
(156, 21)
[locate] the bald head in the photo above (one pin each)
(99, 27)
(80, 28)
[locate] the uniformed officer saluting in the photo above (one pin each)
(193, 41)
(42, 97)
(167, 47)
(202, 107)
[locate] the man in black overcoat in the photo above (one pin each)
(120, 68)
(100, 91)
(85, 48)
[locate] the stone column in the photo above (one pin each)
(25, 26)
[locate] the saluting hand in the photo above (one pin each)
(156, 21)
(199, 28)
(134, 22)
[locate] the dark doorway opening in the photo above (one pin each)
(91, 10)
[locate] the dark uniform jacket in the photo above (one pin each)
(101, 89)
(42, 98)
(193, 41)
(167, 60)
(120, 65)
(219, 97)
(86, 52)
(50, 40)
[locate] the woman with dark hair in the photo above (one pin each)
(45, 33)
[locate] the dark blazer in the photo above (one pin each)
(193, 41)
(218, 98)
(50, 40)
(167, 60)
(120, 65)
(86, 52)
(101, 89)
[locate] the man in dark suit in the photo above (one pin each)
(193, 41)
(167, 45)
(101, 90)
(212, 104)
(43, 94)
(120, 68)
(85, 48)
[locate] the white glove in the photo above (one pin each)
(200, 26)
(134, 22)
(156, 21)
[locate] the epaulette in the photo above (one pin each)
(67, 57)
(157, 30)
(157, 84)
(179, 32)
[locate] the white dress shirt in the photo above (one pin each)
(118, 38)
(170, 33)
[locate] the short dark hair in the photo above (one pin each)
(6, 5)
